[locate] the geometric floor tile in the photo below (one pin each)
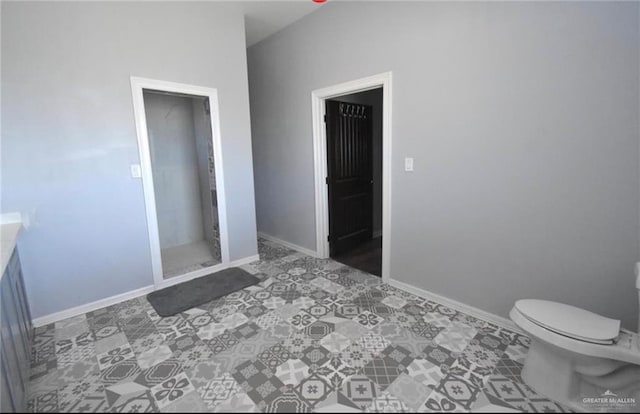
(368, 320)
(410, 391)
(238, 403)
(234, 320)
(319, 329)
(158, 373)
(327, 285)
(509, 368)
(218, 390)
(210, 331)
(489, 404)
(425, 372)
(335, 371)
(382, 371)
(476, 375)
(107, 344)
(191, 356)
(72, 395)
(88, 403)
(373, 343)
(402, 319)
(398, 355)
(438, 355)
(171, 390)
(154, 356)
(315, 355)
(481, 355)
(288, 402)
(360, 390)
(349, 328)
(313, 389)
(301, 319)
(517, 353)
(258, 381)
(267, 320)
(438, 403)
(394, 302)
(190, 403)
(45, 403)
(120, 372)
(458, 390)
(118, 393)
(76, 372)
(387, 403)
(356, 356)
(493, 342)
(398, 335)
(204, 371)
(336, 402)
(335, 342)
(455, 338)
(312, 335)
(439, 320)
(65, 345)
(519, 396)
(75, 354)
(292, 371)
(141, 402)
(114, 356)
(425, 329)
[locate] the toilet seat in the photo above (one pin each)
(570, 321)
(625, 348)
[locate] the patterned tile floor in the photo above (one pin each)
(314, 335)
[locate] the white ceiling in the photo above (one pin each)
(264, 18)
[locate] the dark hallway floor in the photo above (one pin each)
(366, 257)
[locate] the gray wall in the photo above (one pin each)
(174, 160)
(523, 122)
(202, 129)
(68, 134)
(373, 98)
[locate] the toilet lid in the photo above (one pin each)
(570, 321)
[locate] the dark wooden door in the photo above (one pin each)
(350, 180)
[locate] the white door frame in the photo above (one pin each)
(318, 98)
(138, 85)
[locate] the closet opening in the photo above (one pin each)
(181, 164)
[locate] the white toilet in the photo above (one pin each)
(578, 358)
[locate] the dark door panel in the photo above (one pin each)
(350, 167)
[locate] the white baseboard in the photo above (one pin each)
(79, 310)
(245, 260)
(459, 306)
(289, 245)
(176, 280)
(98, 304)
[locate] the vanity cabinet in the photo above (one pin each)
(16, 334)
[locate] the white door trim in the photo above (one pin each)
(137, 86)
(318, 98)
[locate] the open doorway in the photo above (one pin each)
(354, 166)
(179, 142)
(359, 233)
(184, 181)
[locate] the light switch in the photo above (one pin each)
(408, 164)
(136, 171)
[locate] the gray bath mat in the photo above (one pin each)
(179, 298)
